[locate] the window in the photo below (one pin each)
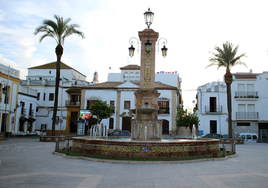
(164, 105)
(38, 96)
(30, 111)
(90, 103)
(50, 72)
(127, 105)
(111, 123)
(112, 105)
(51, 96)
(6, 90)
(212, 104)
(243, 124)
(44, 97)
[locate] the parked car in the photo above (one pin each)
(252, 137)
(120, 133)
(212, 135)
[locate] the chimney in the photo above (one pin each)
(250, 71)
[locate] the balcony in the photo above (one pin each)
(72, 103)
(210, 109)
(31, 113)
(166, 110)
(23, 112)
(247, 115)
(246, 94)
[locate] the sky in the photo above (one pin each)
(192, 29)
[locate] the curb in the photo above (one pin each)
(144, 162)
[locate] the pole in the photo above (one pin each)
(61, 104)
(6, 114)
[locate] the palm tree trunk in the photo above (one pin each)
(59, 52)
(228, 80)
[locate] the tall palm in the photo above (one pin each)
(58, 30)
(226, 57)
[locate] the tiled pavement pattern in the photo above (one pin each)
(26, 162)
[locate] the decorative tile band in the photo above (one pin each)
(146, 149)
(147, 70)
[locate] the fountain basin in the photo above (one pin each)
(148, 149)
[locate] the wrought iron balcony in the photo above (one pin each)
(166, 110)
(23, 112)
(247, 115)
(72, 103)
(210, 109)
(246, 94)
(31, 113)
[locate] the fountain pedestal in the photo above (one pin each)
(146, 126)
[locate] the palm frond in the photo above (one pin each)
(58, 30)
(226, 56)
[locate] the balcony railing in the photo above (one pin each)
(246, 94)
(166, 110)
(31, 113)
(72, 103)
(23, 112)
(247, 115)
(213, 109)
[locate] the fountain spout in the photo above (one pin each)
(194, 137)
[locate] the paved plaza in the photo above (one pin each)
(27, 162)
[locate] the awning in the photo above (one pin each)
(23, 119)
(31, 119)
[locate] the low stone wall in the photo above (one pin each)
(231, 141)
(51, 138)
(145, 149)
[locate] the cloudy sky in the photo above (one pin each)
(192, 28)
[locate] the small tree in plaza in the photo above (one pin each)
(186, 119)
(102, 110)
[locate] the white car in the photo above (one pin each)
(252, 137)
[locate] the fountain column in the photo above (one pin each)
(146, 126)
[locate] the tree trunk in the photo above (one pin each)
(228, 80)
(59, 52)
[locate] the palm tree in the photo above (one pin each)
(226, 57)
(58, 30)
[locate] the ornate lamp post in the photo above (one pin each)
(148, 18)
(146, 97)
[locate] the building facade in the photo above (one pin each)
(119, 90)
(42, 78)
(212, 108)
(249, 103)
(250, 100)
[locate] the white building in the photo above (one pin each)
(249, 104)
(250, 100)
(25, 119)
(119, 90)
(212, 108)
(9, 86)
(42, 78)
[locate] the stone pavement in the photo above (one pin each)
(26, 162)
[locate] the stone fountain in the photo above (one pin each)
(146, 98)
(146, 128)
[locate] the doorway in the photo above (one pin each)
(126, 123)
(263, 135)
(73, 126)
(165, 127)
(213, 126)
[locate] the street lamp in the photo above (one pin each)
(148, 17)
(164, 49)
(131, 48)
